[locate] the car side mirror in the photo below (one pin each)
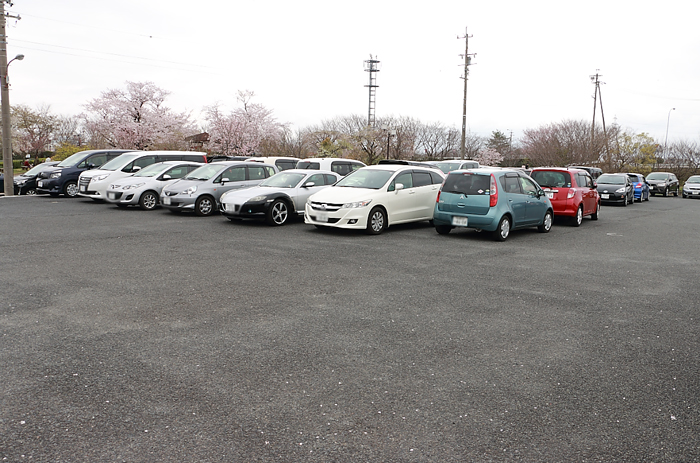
(91, 166)
(308, 184)
(166, 177)
(595, 184)
(135, 169)
(399, 186)
(224, 180)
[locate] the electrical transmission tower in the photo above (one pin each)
(467, 62)
(598, 97)
(372, 66)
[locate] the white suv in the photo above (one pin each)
(337, 165)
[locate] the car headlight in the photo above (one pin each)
(258, 198)
(20, 182)
(357, 204)
(134, 186)
(620, 190)
(55, 175)
(190, 190)
(98, 178)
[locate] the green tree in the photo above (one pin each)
(499, 142)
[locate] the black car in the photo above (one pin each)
(615, 188)
(25, 183)
(63, 179)
(594, 171)
(663, 183)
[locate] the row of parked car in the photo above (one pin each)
(343, 193)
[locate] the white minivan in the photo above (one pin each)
(94, 183)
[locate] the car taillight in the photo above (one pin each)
(571, 194)
(493, 189)
(638, 185)
(437, 200)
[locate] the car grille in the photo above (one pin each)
(85, 181)
(170, 193)
(328, 207)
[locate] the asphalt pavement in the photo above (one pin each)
(157, 337)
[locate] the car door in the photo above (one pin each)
(426, 194)
(401, 201)
(536, 204)
(516, 200)
(303, 191)
(585, 184)
(232, 178)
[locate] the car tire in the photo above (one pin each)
(546, 224)
(376, 222)
(503, 231)
(632, 200)
(596, 214)
(665, 192)
(204, 206)
(70, 189)
(278, 213)
(443, 229)
(624, 203)
(675, 193)
(30, 192)
(148, 200)
(578, 218)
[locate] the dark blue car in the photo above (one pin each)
(641, 187)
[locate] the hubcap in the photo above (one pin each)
(31, 192)
(205, 206)
(548, 221)
(149, 201)
(377, 221)
(505, 229)
(579, 216)
(279, 213)
(72, 189)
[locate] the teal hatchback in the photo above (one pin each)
(491, 199)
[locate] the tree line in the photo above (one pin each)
(136, 117)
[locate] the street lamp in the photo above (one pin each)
(668, 119)
(7, 126)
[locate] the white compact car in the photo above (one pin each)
(94, 183)
(375, 197)
(144, 187)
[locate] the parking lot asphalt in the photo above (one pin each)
(149, 336)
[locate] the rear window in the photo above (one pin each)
(285, 164)
(552, 179)
(467, 184)
(308, 165)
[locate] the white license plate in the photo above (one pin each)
(83, 188)
(604, 196)
(460, 221)
(230, 207)
(322, 217)
(550, 195)
(111, 195)
(166, 201)
(41, 184)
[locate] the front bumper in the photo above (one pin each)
(691, 193)
(177, 202)
(48, 185)
(125, 197)
(613, 197)
(248, 210)
(95, 190)
(354, 218)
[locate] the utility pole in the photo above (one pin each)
(598, 97)
(467, 63)
(9, 186)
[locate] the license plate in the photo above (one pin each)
(460, 221)
(41, 184)
(166, 201)
(83, 188)
(230, 207)
(322, 217)
(604, 196)
(550, 195)
(111, 195)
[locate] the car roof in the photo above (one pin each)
(560, 169)
(309, 171)
(396, 167)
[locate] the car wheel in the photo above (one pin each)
(624, 203)
(30, 192)
(547, 222)
(148, 200)
(675, 193)
(204, 206)
(595, 215)
(653, 194)
(278, 214)
(376, 222)
(70, 189)
(578, 218)
(684, 195)
(665, 192)
(503, 230)
(443, 229)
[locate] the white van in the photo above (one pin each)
(281, 162)
(337, 165)
(94, 183)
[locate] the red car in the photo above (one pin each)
(572, 192)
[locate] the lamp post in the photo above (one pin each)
(6, 124)
(668, 119)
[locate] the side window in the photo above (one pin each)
(178, 172)
(193, 157)
(528, 187)
(436, 178)
(330, 179)
(140, 162)
(406, 179)
(233, 174)
(340, 167)
(256, 173)
(421, 179)
(97, 160)
(285, 164)
(317, 179)
(512, 185)
(356, 165)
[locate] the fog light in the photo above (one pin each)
(352, 221)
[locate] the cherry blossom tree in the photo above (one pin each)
(488, 157)
(33, 129)
(136, 118)
(243, 130)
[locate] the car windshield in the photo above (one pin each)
(119, 161)
(694, 179)
(448, 167)
(611, 179)
(72, 160)
(205, 172)
(36, 169)
(657, 176)
(283, 180)
(373, 179)
(151, 171)
(551, 179)
(467, 183)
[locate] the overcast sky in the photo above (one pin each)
(304, 58)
